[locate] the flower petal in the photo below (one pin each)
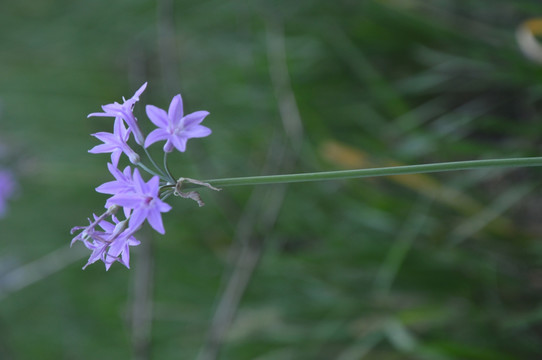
(128, 200)
(138, 217)
(194, 118)
(197, 131)
(155, 220)
(175, 112)
(115, 157)
(157, 116)
(103, 148)
(156, 135)
(139, 92)
(179, 143)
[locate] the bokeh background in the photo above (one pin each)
(440, 266)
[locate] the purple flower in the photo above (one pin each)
(115, 143)
(87, 231)
(7, 189)
(110, 245)
(123, 181)
(144, 201)
(175, 128)
(124, 111)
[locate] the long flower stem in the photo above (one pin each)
(385, 171)
(141, 165)
(164, 176)
(166, 167)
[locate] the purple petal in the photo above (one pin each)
(175, 112)
(139, 184)
(168, 146)
(103, 114)
(137, 218)
(139, 92)
(116, 248)
(103, 148)
(112, 109)
(194, 118)
(106, 226)
(155, 220)
(157, 116)
(163, 206)
(152, 186)
(179, 142)
(156, 135)
(112, 187)
(106, 137)
(119, 130)
(115, 157)
(197, 131)
(128, 200)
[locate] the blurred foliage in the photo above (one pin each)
(444, 266)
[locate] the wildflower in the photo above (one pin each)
(123, 181)
(144, 202)
(87, 231)
(110, 245)
(175, 128)
(124, 111)
(115, 143)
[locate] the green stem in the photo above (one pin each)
(166, 167)
(141, 165)
(385, 171)
(164, 176)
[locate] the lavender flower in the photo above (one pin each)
(175, 128)
(110, 245)
(7, 189)
(87, 231)
(123, 181)
(115, 143)
(144, 201)
(124, 111)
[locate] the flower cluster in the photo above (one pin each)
(106, 236)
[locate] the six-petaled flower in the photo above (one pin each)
(125, 112)
(174, 127)
(144, 202)
(115, 143)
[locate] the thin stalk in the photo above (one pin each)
(144, 167)
(166, 167)
(374, 172)
(154, 163)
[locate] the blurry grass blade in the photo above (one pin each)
(526, 38)
(410, 230)
(375, 83)
(484, 218)
(348, 157)
(362, 347)
(399, 336)
(39, 269)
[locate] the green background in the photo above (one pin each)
(444, 266)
